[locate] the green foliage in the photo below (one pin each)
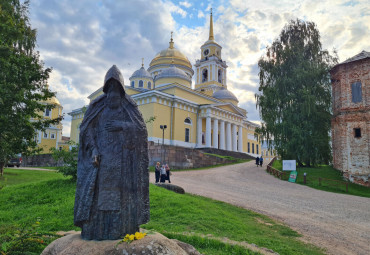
(23, 81)
(191, 218)
(25, 239)
(150, 120)
(295, 94)
(69, 159)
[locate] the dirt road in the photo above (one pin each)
(340, 223)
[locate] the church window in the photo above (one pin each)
(252, 147)
(141, 84)
(356, 92)
(205, 75)
(149, 85)
(188, 121)
(249, 148)
(203, 139)
(52, 136)
(257, 148)
(187, 135)
(357, 132)
(219, 75)
(133, 84)
(45, 135)
(47, 112)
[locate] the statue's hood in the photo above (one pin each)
(115, 74)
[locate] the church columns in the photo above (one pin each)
(240, 138)
(222, 135)
(235, 142)
(208, 132)
(228, 136)
(215, 133)
(199, 132)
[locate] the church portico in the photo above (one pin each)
(222, 130)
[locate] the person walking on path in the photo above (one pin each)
(168, 173)
(157, 172)
(257, 161)
(261, 161)
(163, 174)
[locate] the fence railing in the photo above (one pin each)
(274, 171)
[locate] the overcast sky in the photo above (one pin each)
(82, 39)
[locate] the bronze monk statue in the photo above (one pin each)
(112, 195)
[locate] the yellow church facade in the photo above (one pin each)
(52, 137)
(203, 115)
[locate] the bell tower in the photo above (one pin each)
(210, 69)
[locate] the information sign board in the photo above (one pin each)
(289, 165)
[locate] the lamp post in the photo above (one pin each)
(163, 127)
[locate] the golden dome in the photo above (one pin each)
(171, 53)
(52, 100)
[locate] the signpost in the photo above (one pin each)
(290, 165)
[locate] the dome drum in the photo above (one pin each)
(141, 73)
(224, 94)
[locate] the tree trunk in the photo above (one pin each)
(2, 164)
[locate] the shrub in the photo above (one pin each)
(69, 159)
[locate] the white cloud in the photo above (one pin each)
(186, 4)
(200, 14)
(83, 42)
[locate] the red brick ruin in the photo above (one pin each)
(351, 118)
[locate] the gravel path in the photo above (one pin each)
(337, 222)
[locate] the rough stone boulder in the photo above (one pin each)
(171, 187)
(155, 243)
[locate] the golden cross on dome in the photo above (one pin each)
(171, 41)
(142, 62)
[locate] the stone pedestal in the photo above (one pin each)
(151, 244)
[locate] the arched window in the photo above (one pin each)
(187, 121)
(133, 84)
(149, 85)
(141, 84)
(219, 75)
(205, 75)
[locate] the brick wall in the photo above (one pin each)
(350, 153)
(177, 157)
(181, 157)
(39, 160)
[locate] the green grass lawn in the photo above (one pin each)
(327, 172)
(14, 176)
(199, 221)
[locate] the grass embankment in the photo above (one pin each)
(199, 221)
(17, 176)
(326, 172)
